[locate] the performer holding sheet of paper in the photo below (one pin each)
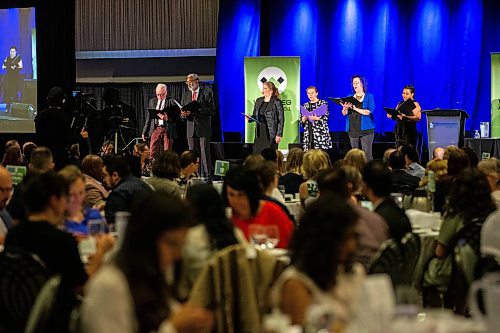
(408, 113)
(360, 124)
(315, 122)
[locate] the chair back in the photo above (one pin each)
(410, 246)
(39, 320)
(388, 260)
(22, 275)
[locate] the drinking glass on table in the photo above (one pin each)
(273, 236)
(96, 226)
(258, 236)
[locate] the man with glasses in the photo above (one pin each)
(199, 122)
(164, 129)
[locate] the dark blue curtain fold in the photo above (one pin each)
(442, 47)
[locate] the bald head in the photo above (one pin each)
(92, 166)
(438, 153)
(5, 187)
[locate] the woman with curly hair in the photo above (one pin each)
(331, 279)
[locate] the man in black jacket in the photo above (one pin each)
(401, 181)
(199, 121)
(376, 176)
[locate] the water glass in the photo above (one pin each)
(96, 227)
(258, 236)
(273, 236)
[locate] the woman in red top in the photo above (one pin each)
(243, 195)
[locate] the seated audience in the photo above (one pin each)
(107, 148)
(213, 232)
(439, 167)
(190, 164)
(74, 155)
(41, 162)
(321, 271)
(280, 161)
(313, 162)
(376, 176)
(28, 147)
(242, 193)
(412, 161)
(270, 154)
(126, 188)
(6, 221)
(357, 158)
(371, 228)
(469, 201)
(77, 215)
(292, 177)
(471, 154)
(438, 153)
(491, 169)
(131, 293)
(401, 181)
(12, 155)
(141, 150)
(45, 196)
(95, 193)
(490, 246)
(166, 169)
(457, 161)
(387, 153)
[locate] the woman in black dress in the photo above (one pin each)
(268, 110)
(406, 125)
(316, 132)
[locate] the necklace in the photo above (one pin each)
(359, 97)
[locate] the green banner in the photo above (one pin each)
(495, 95)
(284, 72)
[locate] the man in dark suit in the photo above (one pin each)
(376, 176)
(198, 122)
(164, 129)
(401, 181)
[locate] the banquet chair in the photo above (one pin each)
(22, 275)
(235, 285)
(410, 245)
(388, 260)
(41, 317)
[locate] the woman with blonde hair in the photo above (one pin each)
(313, 162)
(491, 169)
(439, 167)
(357, 158)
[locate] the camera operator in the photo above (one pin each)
(53, 127)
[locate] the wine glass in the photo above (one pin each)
(273, 236)
(258, 236)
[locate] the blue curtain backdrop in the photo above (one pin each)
(442, 47)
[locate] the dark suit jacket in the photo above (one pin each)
(403, 182)
(395, 217)
(199, 123)
(274, 115)
(170, 124)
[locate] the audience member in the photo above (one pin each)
(28, 147)
(107, 148)
(471, 154)
(292, 178)
(438, 153)
(74, 155)
(371, 228)
(280, 161)
(213, 232)
(95, 193)
(321, 271)
(242, 193)
(166, 169)
(190, 163)
(141, 150)
(490, 246)
(77, 215)
(126, 188)
(45, 196)
(313, 162)
(457, 161)
(6, 188)
(387, 153)
(491, 169)
(439, 167)
(131, 293)
(401, 181)
(12, 154)
(412, 161)
(376, 176)
(269, 154)
(357, 158)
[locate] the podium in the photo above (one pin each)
(445, 127)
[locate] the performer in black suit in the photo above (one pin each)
(199, 122)
(164, 130)
(12, 65)
(268, 110)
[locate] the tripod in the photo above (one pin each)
(116, 133)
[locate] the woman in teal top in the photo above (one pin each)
(360, 124)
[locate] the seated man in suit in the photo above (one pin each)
(401, 181)
(376, 176)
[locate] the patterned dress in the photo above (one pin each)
(316, 134)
